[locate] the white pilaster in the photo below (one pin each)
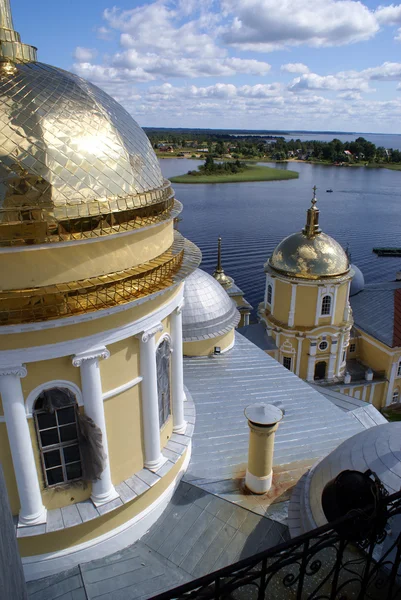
(311, 362)
(177, 370)
(291, 313)
(393, 371)
(333, 305)
(32, 511)
(102, 489)
(150, 402)
(340, 354)
(332, 359)
(318, 305)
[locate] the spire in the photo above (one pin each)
(11, 48)
(6, 19)
(312, 228)
(219, 274)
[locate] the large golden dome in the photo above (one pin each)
(310, 254)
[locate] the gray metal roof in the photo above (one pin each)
(358, 281)
(208, 310)
(256, 333)
(373, 310)
(224, 385)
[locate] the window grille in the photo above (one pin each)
(326, 305)
(163, 354)
(58, 437)
(269, 293)
(352, 347)
(396, 395)
(323, 345)
(287, 362)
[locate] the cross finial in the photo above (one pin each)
(314, 199)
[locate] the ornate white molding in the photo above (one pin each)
(149, 333)
(95, 353)
(17, 370)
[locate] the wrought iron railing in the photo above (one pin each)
(318, 565)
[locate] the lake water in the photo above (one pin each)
(363, 211)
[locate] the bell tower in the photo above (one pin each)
(306, 304)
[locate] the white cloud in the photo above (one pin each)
(389, 15)
(265, 25)
(339, 82)
(84, 54)
(295, 68)
(388, 71)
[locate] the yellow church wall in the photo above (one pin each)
(122, 365)
(373, 355)
(85, 328)
(303, 367)
(44, 371)
(166, 431)
(305, 307)
(342, 292)
(282, 300)
(85, 532)
(55, 264)
(124, 434)
(206, 347)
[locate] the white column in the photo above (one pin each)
(102, 489)
(332, 359)
(150, 401)
(177, 370)
(32, 511)
(291, 314)
(318, 305)
(340, 354)
(299, 354)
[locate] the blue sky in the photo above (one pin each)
(257, 64)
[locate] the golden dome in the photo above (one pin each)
(310, 254)
(73, 162)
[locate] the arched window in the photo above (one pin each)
(396, 395)
(326, 305)
(163, 354)
(269, 293)
(55, 414)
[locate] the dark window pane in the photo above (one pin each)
(49, 437)
(66, 415)
(39, 403)
(74, 471)
(52, 458)
(68, 433)
(54, 476)
(46, 420)
(71, 454)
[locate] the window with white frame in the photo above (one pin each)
(287, 360)
(326, 305)
(163, 354)
(55, 415)
(396, 395)
(399, 369)
(352, 348)
(269, 293)
(323, 345)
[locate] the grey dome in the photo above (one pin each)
(208, 309)
(358, 281)
(377, 448)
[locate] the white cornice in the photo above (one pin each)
(9, 358)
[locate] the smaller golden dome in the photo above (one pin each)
(310, 254)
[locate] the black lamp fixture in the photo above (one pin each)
(356, 494)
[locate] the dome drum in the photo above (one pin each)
(102, 292)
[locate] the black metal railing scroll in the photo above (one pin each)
(318, 565)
